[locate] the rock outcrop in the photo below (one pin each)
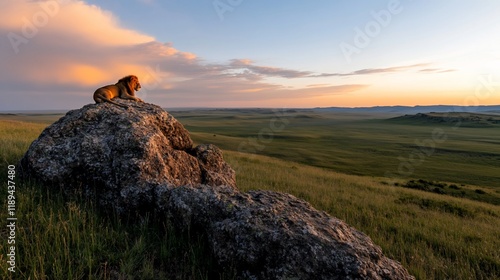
(270, 235)
(123, 155)
(142, 157)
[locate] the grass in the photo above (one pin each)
(469, 192)
(369, 145)
(457, 119)
(15, 138)
(434, 235)
(59, 238)
(71, 239)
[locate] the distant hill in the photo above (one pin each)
(462, 119)
(494, 109)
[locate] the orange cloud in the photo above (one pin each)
(81, 47)
(88, 22)
(74, 43)
(87, 74)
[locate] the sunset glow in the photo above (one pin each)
(293, 54)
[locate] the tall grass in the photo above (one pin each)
(352, 144)
(61, 238)
(434, 236)
(15, 138)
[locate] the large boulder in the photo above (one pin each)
(142, 158)
(270, 235)
(122, 155)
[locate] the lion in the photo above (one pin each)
(124, 89)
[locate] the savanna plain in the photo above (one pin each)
(426, 188)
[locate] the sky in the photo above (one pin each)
(251, 53)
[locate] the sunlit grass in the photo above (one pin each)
(60, 238)
(435, 236)
(428, 233)
(15, 138)
(360, 145)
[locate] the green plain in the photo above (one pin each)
(447, 229)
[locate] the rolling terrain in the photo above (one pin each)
(440, 220)
(409, 110)
(358, 143)
(471, 120)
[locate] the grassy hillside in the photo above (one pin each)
(58, 238)
(435, 235)
(357, 144)
(456, 119)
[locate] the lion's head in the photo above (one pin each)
(131, 82)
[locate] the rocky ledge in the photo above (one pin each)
(142, 159)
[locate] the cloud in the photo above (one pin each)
(436, 70)
(266, 70)
(80, 45)
(64, 50)
(372, 71)
(64, 42)
(71, 19)
(246, 67)
(387, 70)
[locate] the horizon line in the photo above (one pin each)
(239, 107)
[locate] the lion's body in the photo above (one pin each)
(123, 89)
